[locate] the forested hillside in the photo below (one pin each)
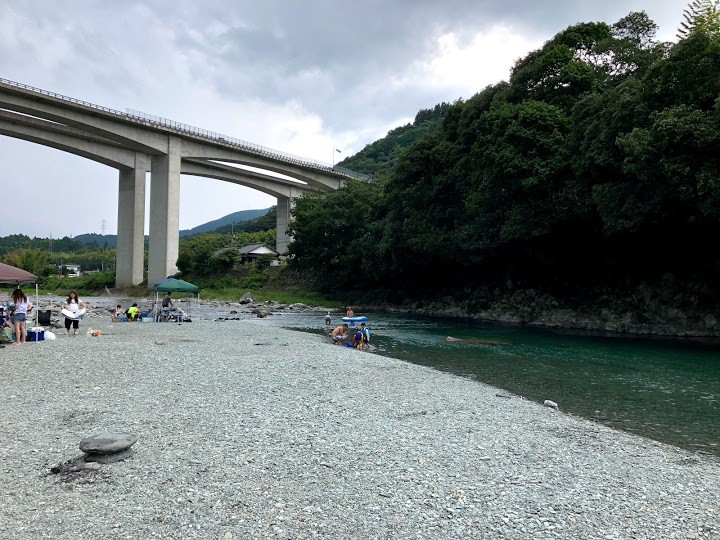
(594, 167)
(379, 159)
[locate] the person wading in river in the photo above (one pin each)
(338, 334)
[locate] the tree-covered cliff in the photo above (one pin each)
(595, 165)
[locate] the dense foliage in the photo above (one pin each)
(596, 164)
(214, 254)
(379, 159)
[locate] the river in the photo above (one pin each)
(664, 389)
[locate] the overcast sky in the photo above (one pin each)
(298, 76)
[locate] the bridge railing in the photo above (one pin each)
(172, 125)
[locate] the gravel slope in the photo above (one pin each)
(255, 432)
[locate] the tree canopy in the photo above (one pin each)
(597, 162)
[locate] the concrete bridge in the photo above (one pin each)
(135, 144)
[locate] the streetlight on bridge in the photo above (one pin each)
(333, 159)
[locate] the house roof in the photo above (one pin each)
(246, 250)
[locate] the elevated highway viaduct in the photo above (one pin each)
(134, 144)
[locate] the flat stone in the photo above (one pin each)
(109, 458)
(108, 443)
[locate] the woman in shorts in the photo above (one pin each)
(22, 307)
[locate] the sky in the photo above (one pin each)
(304, 77)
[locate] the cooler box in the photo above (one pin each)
(35, 335)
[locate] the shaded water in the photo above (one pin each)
(665, 389)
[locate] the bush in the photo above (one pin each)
(88, 283)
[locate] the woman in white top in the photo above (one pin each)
(73, 305)
(22, 306)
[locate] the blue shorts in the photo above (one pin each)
(20, 317)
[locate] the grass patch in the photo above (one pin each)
(309, 298)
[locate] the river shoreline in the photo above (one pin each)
(641, 314)
(250, 430)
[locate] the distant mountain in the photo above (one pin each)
(236, 217)
(223, 223)
(99, 239)
(262, 223)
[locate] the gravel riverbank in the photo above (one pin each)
(248, 431)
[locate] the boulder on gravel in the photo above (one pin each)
(108, 443)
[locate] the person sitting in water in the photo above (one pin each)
(349, 312)
(132, 313)
(328, 319)
(118, 310)
(338, 334)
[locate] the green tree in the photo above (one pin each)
(330, 232)
(700, 15)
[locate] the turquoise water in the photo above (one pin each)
(665, 389)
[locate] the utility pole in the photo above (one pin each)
(103, 225)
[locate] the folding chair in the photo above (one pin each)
(44, 317)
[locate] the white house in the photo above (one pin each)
(252, 252)
(73, 270)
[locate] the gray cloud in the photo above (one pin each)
(337, 61)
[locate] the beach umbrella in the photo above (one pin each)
(15, 275)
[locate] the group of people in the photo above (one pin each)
(360, 338)
(132, 313)
(20, 307)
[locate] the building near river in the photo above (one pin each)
(252, 252)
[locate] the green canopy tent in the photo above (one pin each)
(175, 285)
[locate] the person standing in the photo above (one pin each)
(22, 307)
(73, 304)
(328, 319)
(365, 335)
(167, 301)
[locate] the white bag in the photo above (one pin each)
(49, 336)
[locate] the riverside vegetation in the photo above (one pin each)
(585, 187)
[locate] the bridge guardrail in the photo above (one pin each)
(186, 129)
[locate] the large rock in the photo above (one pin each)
(247, 298)
(108, 443)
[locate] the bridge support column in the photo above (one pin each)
(284, 207)
(164, 214)
(131, 228)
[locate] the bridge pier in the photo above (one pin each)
(284, 207)
(165, 214)
(130, 253)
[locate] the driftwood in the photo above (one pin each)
(451, 339)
